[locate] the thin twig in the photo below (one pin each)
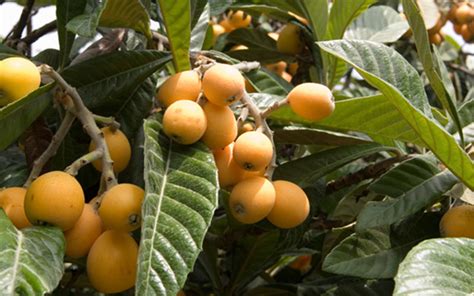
(461, 69)
(20, 26)
(265, 113)
(262, 126)
(87, 119)
(109, 121)
(82, 161)
(41, 161)
(40, 32)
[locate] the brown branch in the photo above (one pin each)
(108, 43)
(109, 121)
(41, 161)
(370, 172)
(20, 26)
(461, 69)
(82, 161)
(262, 126)
(40, 32)
(87, 119)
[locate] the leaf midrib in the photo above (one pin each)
(16, 262)
(158, 206)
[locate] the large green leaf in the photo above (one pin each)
(405, 176)
(181, 195)
(373, 116)
(177, 20)
(115, 14)
(31, 261)
(378, 23)
(368, 255)
(253, 256)
(376, 253)
(342, 14)
(307, 170)
(437, 267)
(430, 63)
(13, 170)
(107, 83)
(200, 23)
(65, 11)
(388, 71)
(340, 17)
(317, 12)
(307, 136)
(16, 117)
(390, 211)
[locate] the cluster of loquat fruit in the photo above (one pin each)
(462, 17)
(241, 160)
(100, 232)
(289, 40)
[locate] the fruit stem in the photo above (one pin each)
(82, 161)
(261, 126)
(247, 66)
(275, 106)
(88, 122)
(53, 146)
(109, 121)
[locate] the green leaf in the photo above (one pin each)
(107, 82)
(252, 38)
(86, 24)
(6, 52)
(387, 71)
(317, 12)
(437, 267)
(31, 261)
(253, 256)
(13, 170)
(66, 11)
(340, 17)
(430, 62)
(307, 170)
(390, 211)
(177, 20)
(373, 116)
(114, 14)
(181, 196)
(466, 115)
(370, 254)
(379, 24)
(200, 25)
(126, 14)
(405, 176)
(306, 136)
(345, 286)
(267, 9)
(16, 117)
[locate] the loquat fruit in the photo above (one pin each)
(458, 222)
(12, 202)
(229, 172)
(81, 237)
(253, 151)
(18, 78)
(291, 205)
(227, 25)
(252, 199)
(121, 207)
(184, 85)
(221, 126)
(55, 198)
(312, 101)
(239, 19)
(112, 262)
(278, 68)
(184, 122)
(290, 40)
(119, 149)
(464, 13)
(223, 84)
